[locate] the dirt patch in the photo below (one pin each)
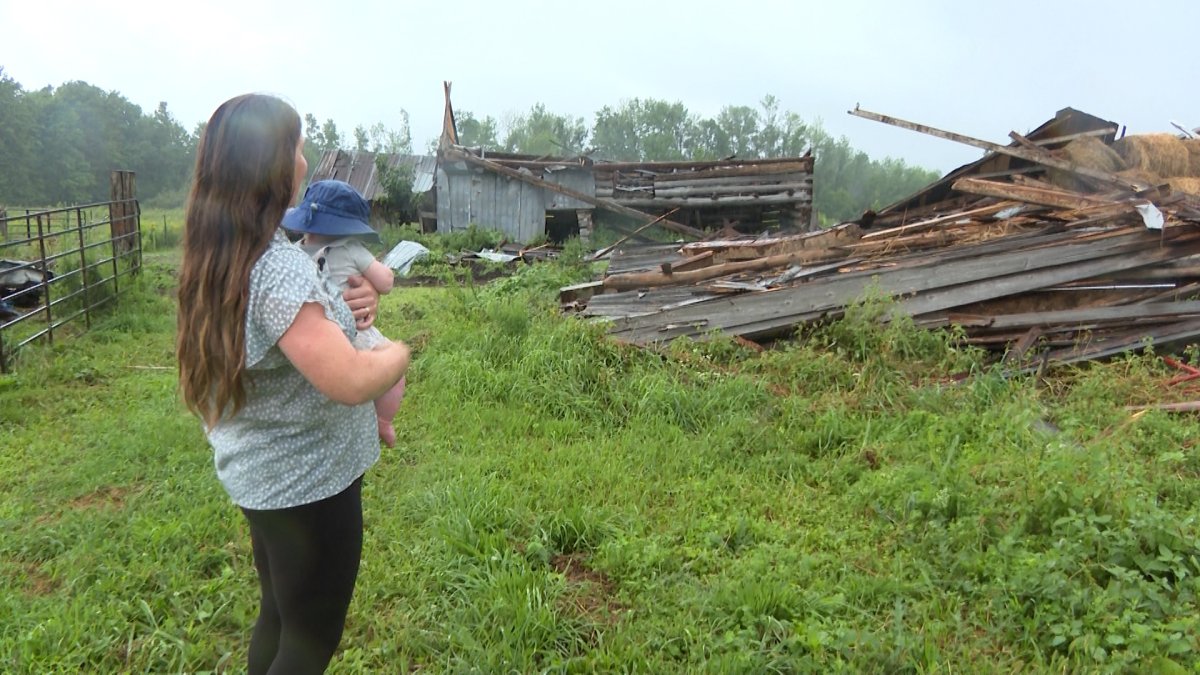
(591, 591)
(106, 497)
(32, 579)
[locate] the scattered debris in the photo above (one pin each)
(403, 255)
(1052, 244)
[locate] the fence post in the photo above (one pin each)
(123, 208)
(4, 223)
(45, 277)
(83, 268)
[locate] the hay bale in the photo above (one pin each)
(1088, 152)
(1093, 153)
(1185, 184)
(1141, 176)
(1193, 148)
(1162, 154)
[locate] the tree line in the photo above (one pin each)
(846, 180)
(58, 145)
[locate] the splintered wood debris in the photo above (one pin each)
(1057, 241)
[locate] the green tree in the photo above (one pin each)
(19, 144)
(312, 131)
(476, 133)
(382, 138)
(543, 133)
(398, 203)
(329, 137)
(648, 129)
(63, 171)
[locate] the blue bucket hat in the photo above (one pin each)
(331, 208)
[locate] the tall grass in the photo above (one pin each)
(563, 503)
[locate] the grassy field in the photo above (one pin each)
(560, 503)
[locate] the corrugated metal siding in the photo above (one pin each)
(358, 169)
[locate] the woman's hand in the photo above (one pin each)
(363, 300)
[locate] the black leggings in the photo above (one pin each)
(307, 559)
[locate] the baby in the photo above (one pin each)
(334, 220)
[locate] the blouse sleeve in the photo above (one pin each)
(282, 281)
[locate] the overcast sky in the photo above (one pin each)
(979, 68)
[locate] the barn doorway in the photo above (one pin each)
(561, 225)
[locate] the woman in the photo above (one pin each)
(266, 361)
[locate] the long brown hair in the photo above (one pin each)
(243, 183)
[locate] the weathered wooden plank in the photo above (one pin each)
(988, 288)
(637, 303)
(769, 312)
(682, 180)
(741, 189)
(1066, 317)
(641, 258)
(696, 166)
(799, 196)
(1060, 199)
(1164, 338)
(704, 259)
(1067, 138)
(737, 173)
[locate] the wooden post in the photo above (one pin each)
(4, 223)
(123, 208)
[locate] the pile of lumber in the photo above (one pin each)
(1013, 257)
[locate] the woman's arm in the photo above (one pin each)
(363, 300)
(320, 351)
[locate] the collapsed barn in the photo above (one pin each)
(1069, 239)
(529, 198)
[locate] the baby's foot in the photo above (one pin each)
(387, 433)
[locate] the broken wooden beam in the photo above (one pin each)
(1059, 199)
(687, 264)
(636, 233)
(1017, 151)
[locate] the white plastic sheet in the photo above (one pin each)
(404, 255)
(1151, 216)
